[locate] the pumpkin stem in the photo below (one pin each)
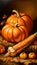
(18, 15)
(16, 25)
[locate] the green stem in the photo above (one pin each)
(18, 15)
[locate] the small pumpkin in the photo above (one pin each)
(2, 49)
(14, 34)
(32, 55)
(23, 55)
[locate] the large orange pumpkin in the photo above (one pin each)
(14, 34)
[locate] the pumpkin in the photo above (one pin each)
(23, 55)
(32, 55)
(14, 34)
(2, 49)
(28, 21)
(21, 19)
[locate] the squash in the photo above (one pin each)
(23, 55)
(14, 34)
(32, 55)
(28, 21)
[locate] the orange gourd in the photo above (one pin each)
(14, 34)
(28, 21)
(16, 28)
(32, 55)
(23, 55)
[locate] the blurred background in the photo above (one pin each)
(27, 6)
